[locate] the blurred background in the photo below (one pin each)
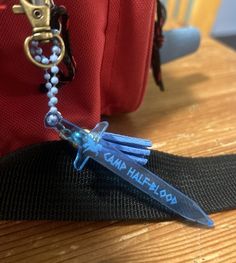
(216, 18)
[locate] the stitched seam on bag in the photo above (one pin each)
(105, 78)
(104, 51)
(109, 107)
(148, 60)
(116, 45)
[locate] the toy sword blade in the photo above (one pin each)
(119, 163)
(95, 145)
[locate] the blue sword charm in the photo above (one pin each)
(95, 145)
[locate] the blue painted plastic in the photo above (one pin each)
(135, 148)
(127, 140)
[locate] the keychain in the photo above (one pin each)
(123, 155)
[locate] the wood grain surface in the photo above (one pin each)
(195, 116)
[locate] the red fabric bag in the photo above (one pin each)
(111, 42)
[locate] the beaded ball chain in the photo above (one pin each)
(50, 76)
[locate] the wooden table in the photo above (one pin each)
(195, 116)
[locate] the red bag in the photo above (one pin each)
(111, 42)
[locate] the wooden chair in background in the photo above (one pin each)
(197, 13)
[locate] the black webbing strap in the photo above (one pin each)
(39, 182)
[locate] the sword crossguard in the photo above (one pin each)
(89, 143)
(91, 146)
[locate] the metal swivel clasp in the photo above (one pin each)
(39, 15)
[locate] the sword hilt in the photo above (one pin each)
(90, 144)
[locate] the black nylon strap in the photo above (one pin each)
(39, 182)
